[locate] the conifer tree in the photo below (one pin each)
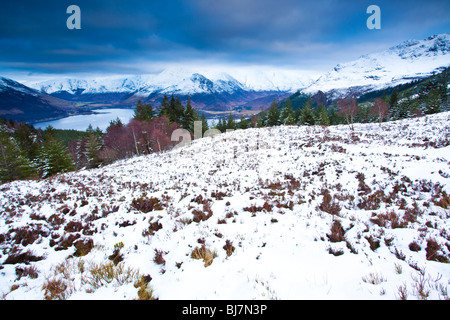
(53, 157)
(286, 114)
(273, 115)
(144, 111)
(231, 123)
(433, 101)
(205, 125)
(243, 123)
(307, 116)
(323, 116)
(189, 116)
(13, 161)
(393, 104)
(262, 120)
(164, 109)
(93, 145)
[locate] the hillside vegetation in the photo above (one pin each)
(282, 212)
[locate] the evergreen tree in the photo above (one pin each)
(273, 115)
(144, 111)
(231, 123)
(27, 139)
(116, 123)
(393, 104)
(433, 102)
(307, 116)
(179, 111)
(93, 144)
(205, 125)
(286, 114)
(221, 124)
(53, 157)
(189, 117)
(13, 161)
(323, 116)
(262, 120)
(164, 109)
(243, 123)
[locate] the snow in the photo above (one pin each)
(183, 80)
(282, 250)
(397, 65)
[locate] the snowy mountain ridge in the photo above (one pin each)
(410, 60)
(182, 80)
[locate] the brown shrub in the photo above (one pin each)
(328, 204)
(371, 201)
(22, 257)
(73, 226)
(337, 232)
(55, 289)
(363, 188)
(83, 247)
(158, 259)
(389, 219)
(432, 250)
(228, 247)
(205, 254)
(413, 246)
(146, 205)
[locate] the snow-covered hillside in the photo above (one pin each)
(403, 63)
(273, 213)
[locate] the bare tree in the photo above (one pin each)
(348, 109)
(380, 109)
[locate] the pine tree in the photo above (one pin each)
(13, 161)
(221, 124)
(273, 115)
(164, 109)
(53, 158)
(262, 120)
(243, 123)
(323, 116)
(205, 125)
(93, 144)
(433, 102)
(231, 123)
(393, 104)
(286, 114)
(307, 116)
(144, 111)
(189, 116)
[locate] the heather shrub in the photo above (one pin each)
(146, 205)
(328, 204)
(205, 254)
(337, 232)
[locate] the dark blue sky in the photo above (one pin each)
(129, 36)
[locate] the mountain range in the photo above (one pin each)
(246, 90)
(410, 60)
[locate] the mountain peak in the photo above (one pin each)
(411, 59)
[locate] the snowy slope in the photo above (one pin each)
(407, 61)
(273, 193)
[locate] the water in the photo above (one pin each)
(101, 119)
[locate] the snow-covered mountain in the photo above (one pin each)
(19, 102)
(182, 80)
(407, 61)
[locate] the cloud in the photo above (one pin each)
(134, 33)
